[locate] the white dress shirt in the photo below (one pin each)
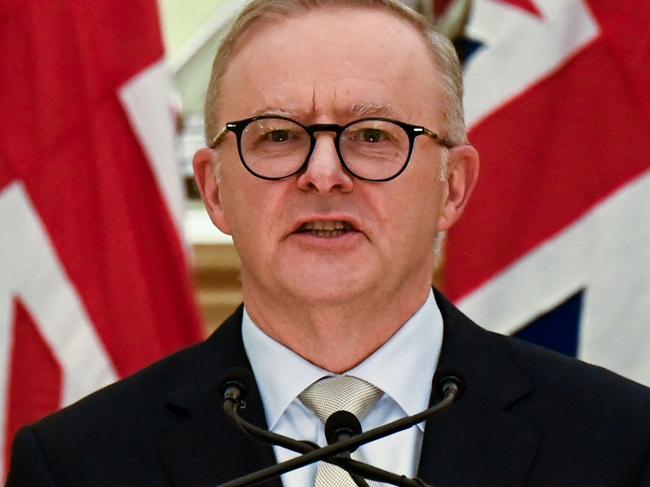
(403, 368)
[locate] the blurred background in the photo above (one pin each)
(108, 260)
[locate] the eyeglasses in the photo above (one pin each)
(372, 149)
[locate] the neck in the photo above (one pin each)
(334, 336)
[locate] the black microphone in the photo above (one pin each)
(236, 385)
(449, 384)
(235, 389)
(449, 388)
(355, 468)
(341, 425)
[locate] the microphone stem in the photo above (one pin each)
(328, 452)
(354, 468)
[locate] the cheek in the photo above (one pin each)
(415, 213)
(252, 208)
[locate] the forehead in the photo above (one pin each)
(332, 62)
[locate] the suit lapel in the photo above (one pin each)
(477, 441)
(201, 447)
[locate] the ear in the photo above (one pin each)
(462, 172)
(205, 166)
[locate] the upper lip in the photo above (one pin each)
(348, 221)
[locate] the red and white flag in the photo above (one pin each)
(558, 105)
(93, 279)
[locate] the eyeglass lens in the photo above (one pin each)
(276, 148)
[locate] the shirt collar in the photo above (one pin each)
(403, 367)
(281, 374)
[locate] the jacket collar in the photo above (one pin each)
(477, 438)
(203, 447)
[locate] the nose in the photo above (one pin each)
(325, 172)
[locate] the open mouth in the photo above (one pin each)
(326, 229)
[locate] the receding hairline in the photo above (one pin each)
(285, 10)
(272, 17)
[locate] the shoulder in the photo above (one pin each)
(567, 378)
(193, 368)
(586, 422)
(130, 414)
(552, 390)
(569, 386)
(585, 414)
(123, 415)
(490, 354)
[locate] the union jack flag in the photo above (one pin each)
(555, 244)
(93, 279)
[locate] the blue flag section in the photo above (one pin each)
(557, 329)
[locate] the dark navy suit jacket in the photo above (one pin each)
(526, 417)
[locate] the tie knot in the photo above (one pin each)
(342, 392)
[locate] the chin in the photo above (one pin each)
(316, 297)
(327, 289)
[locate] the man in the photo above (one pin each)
(337, 157)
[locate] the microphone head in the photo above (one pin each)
(448, 382)
(236, 384)
(450, 385)
(340, 425)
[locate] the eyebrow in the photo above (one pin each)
(357, 110)
(275, 111)
(372, 110)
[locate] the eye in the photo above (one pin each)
(372, 132)
(278, 135)
(372, 135)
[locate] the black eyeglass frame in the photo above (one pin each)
(412, 131)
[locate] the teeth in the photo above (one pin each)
(326, 229)
(326, 225)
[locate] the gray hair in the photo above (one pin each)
(441, 49)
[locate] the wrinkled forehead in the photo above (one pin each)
(365, 61)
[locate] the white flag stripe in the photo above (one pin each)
(607, 253)
(6, 343)
(31, 271)
(146, 100)
(505, 68)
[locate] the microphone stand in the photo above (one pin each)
(231, 408)
(311, 453)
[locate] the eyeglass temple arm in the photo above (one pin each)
(443, 141)
(217, 138)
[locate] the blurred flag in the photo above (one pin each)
(93, 279)
(555, 244)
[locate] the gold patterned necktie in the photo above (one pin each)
(331, 394)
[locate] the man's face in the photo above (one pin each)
(332, 66)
